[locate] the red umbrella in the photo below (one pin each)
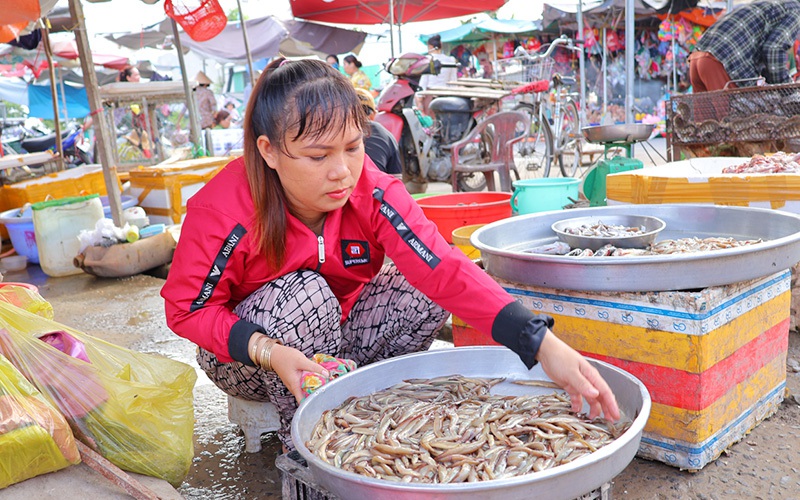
(388, 11)
(377, 11)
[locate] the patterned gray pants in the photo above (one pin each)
(390, 318)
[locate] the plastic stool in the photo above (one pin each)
(254, 418)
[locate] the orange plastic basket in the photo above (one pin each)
(200, 19)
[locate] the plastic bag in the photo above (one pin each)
(133, 408)
(27, 297)
(34, 437)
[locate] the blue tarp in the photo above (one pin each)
(40, 102)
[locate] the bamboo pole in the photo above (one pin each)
(48, 51)
(105, 139)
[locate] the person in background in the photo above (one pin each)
(222, 119)
(379, 144)
(751, 41)
(333, 60)
(130, 74)
(358, 78)
(283, 256)
(447, 73)
(205, 100)
(236, 119)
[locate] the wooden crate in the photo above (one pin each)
(162, 190)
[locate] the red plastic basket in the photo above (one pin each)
(200, 19)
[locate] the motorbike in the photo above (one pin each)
(423, 142)
(77, 150)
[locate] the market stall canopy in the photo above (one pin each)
(566, 11)
(377, 11)
(270, 36)
(483, 30)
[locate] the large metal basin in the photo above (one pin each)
(503, 243)
(564, 482)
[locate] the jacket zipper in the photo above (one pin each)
(321, 247)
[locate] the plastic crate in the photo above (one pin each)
(297, 482)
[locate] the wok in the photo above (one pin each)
(628, 133)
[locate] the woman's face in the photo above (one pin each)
(350, 67)
(323, 173)
(134, 76)
(226, 122)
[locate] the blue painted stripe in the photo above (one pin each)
(653, 310)
(710, 442)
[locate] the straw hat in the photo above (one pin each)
(202, 79)
(366, 99)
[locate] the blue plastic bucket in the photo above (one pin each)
(20, 230)
(541, 195)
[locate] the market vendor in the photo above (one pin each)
(282, 256)
(751, 41)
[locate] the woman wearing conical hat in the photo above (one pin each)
(205, 100)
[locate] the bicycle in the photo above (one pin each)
(555, 133)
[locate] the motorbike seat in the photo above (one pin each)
(566, 81)
(43, 143)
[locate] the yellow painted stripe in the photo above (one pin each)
(696, 426)
(692, 353)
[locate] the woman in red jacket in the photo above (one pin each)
(282, 256)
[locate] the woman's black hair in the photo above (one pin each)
(352, 60)
(304, 98)
(435, 41)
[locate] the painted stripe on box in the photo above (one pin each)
(691, 353)
(655, 310)
(696, 426)
(696, 391)
(696, 455)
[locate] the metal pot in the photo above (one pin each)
(563, 482)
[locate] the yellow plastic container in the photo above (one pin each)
(461, 237)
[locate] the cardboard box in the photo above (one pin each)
(700, 180)
(713, 360)
(162, 190)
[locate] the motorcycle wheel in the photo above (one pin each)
(476, 181)
(412, 179)
(569, 147)
(535, 153)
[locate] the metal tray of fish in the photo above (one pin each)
(564, 482)
(504, 244)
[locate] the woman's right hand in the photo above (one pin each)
(289, 363)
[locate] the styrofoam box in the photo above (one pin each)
(701, 181)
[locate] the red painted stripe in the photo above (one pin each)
(696, 391)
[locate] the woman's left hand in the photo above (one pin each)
(289, 364)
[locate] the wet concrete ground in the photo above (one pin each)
(129, 312)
